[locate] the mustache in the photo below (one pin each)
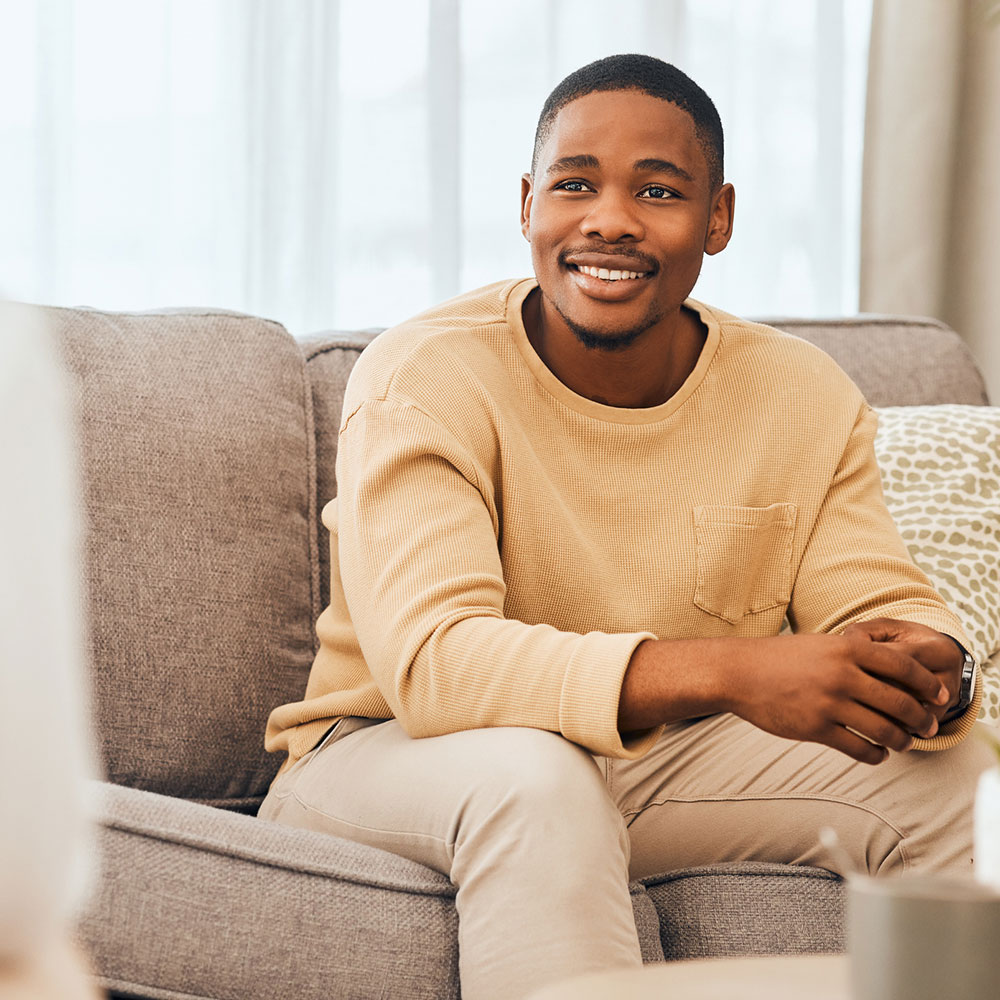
(612, 249)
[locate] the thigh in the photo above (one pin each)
(416, 798)
(719, 789)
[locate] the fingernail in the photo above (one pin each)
(942, 695)
(931, 729)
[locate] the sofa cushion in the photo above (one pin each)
(748, 908)
(200, 551)
(941, 478)
(896, 360)
(199, 903)
(329, 357)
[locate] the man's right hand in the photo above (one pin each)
(849, 692)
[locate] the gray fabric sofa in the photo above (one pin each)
(207, 443)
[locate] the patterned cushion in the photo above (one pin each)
(941, 477)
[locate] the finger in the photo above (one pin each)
(877, 728)
(895, 663)
(897, 706)
(853, 745)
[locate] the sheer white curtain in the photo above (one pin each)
(348, 163)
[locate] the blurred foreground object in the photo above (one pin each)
(45, 841)
(987, 824)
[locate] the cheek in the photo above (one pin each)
(543, 253)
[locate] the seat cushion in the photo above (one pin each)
(748, 909)
(199, 902)
(200, 553)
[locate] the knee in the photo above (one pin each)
(951, 776)
(538, 778)
(967, 761)
(942, 840)
(539, 765)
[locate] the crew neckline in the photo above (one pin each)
(590, 407)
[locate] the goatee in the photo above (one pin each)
(595, 340)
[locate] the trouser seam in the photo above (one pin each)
(631, 814)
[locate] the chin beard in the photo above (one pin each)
(595, 340)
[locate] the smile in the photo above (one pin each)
(608, 275)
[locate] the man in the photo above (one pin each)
(573, 513)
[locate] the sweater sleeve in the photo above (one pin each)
(422, 577)
(856, 567)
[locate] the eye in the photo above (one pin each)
(574, 187)
(657, 192)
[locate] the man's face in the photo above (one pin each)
(619, 213)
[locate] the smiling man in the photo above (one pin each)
(573, 513)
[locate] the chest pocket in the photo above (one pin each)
(744, 558)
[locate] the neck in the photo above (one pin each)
(645, 373)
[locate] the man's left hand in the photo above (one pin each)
(934, 650)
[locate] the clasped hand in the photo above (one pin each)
(864, 692)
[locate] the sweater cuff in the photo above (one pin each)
(952, 733)
(591, 690)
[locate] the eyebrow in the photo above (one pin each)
(587, 162)
(584, 162)
(663, 167)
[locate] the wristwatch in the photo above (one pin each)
(967, 687)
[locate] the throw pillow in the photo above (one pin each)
(941, 477)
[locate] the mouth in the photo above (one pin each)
(608, 274)
(609, 267)
(608, 277)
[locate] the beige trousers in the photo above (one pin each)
(540, 838)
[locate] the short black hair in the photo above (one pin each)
(648, 75)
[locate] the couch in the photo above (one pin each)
(207, 444)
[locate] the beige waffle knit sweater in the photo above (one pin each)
(500, 545)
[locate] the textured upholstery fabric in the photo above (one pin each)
(748, 909)
(357, 922)
(200, 553)
(895, 360)
(329, 360)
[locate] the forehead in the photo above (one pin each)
(624, 126)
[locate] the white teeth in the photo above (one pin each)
(606, 275)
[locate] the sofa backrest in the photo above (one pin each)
(197, 462)
(896, 360)
(330, 356)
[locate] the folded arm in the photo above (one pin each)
(873, 666)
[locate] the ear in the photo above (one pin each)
(526, 196)
(720, 222)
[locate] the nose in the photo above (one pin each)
(613, 217)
